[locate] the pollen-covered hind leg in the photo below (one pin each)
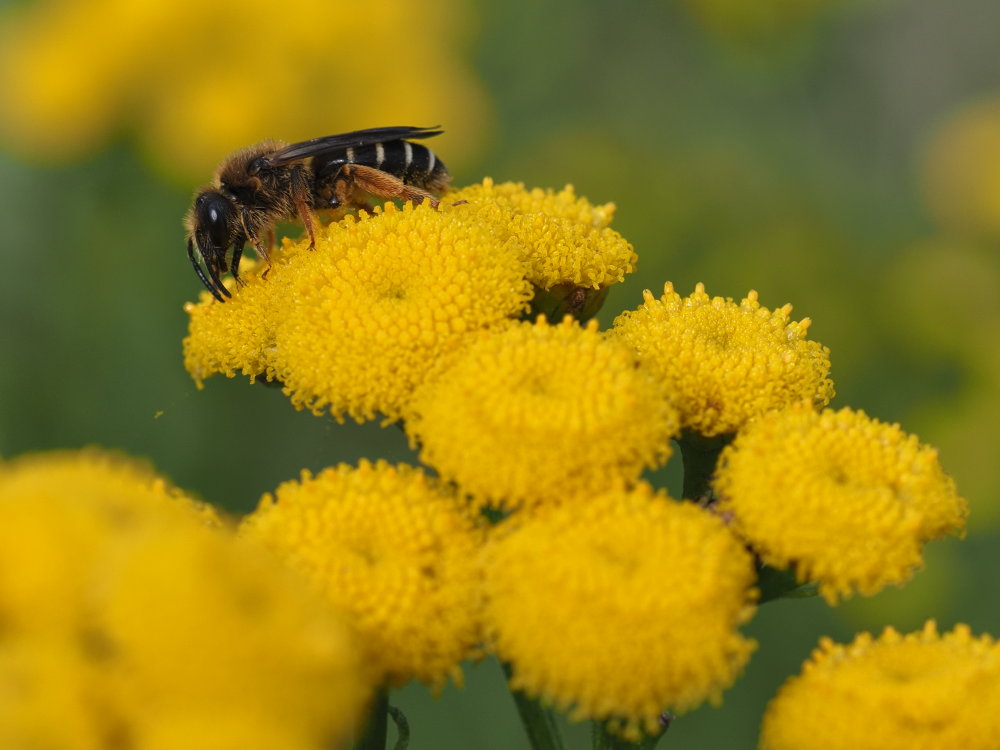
(359, 178)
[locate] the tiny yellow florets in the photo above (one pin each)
(394, 549)
(920, 691)
(127, 607)
(724, 362)
(620, 607)
(561, 238)
(538, 413)
(353, 326)
(847, 499)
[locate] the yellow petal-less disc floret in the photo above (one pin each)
(353, 326)
(920, 691)
(394, 549)
(726, 362)
(537, 412)
(561, 238)
(847, 499)
(620, 607)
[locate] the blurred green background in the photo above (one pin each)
(841, 156)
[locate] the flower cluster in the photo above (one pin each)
(543, 424)
(133, 617)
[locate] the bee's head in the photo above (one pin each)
(213, 226)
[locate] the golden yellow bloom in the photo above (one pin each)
(847, 499)
(394, 549)
(127, 608)
(353, 326)
(920, 691)
(562, 239)
(724, 362)
(60, 512)
(620, 607)
(203, 623)
(50, 695)
(169, 71)
(537, 412)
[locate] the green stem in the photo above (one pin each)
(700, 455)
(376, 730)
(539, 722)
(603, 738)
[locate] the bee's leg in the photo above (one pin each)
(380, 184)
(301, 197)
(235, 264)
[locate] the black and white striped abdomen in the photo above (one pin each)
(413, 163)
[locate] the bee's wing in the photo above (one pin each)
(355, 139)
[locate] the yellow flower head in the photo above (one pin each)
(620, 607)
(920, 691)
(126, 606)
(353, 326)
(538, 412)
(50, 695)
(206, 624)
(61, 511)
(91, 63)
(724, 362)
(847, 499)
(562, 239)
(394, 549)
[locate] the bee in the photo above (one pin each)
(259, 186)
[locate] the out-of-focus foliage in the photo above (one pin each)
(840, 156)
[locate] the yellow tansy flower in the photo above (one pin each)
(620, 607)
(166, 71)
(60, 511)
(203, 623)
(847, 499)
(394, 549)
(537, 412)
(724, 362)
(562, 239)
(126, 607)
(353, 326)
(50, 695)
(920, 691)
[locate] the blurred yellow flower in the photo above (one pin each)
(961, 170)
(60, 511)
(562, 239)
(847, 499)
(920, 691)
(620, 607)
(51, 695)
(353, 326)
(394, 549)
(193, 79)
(724, 362)
(537, 413)
(208, 624)
(144, 611)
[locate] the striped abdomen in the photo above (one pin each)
(413, 163)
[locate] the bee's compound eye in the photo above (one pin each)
(213, 211)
